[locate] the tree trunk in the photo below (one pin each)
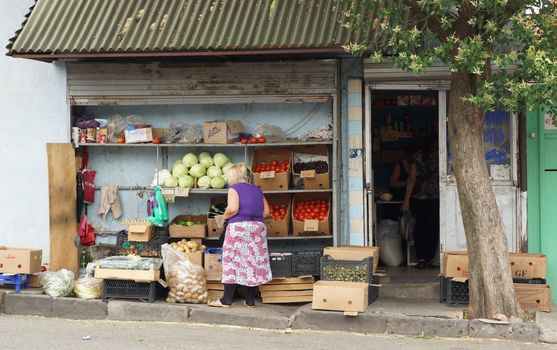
(491, 287)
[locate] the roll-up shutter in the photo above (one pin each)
(94, 83)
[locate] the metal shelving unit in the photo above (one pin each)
(299, 238)
(210, 145)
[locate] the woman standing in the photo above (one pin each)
(245, 258)
(422, 198)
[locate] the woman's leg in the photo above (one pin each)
(229, 290)
(250, 297)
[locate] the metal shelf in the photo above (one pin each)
(211, 145)
(283, 238)
(216, 191)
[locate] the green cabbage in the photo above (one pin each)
(220, 159)
(189, 160)
(204, 182)
(218, 182)
(214, 171)
(171, 181)
(206, 161)
(186, 181)
(179, 170)
(197, 170)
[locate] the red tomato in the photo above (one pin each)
(261, 139)
(252, 140)
(244, 140)
(274, 162)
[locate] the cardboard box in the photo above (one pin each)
(271, 180)
(213, 264)
(134, 275)
(455, 264)
(139, 135)
(533, 296)
(194, 231)
(214, 229)
(311, 227)
(528, 265)
(160, 133)
(222, 131)
(35, 281)
(353, 253)
(310, 179)
(139, 231)
(20, 260)
(340, 296)
(196, 258)
(279, 228)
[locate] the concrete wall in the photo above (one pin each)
(32, 96)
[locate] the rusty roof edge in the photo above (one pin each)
(12, 40)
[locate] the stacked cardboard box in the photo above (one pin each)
(288, 290)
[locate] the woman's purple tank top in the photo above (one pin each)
(251, 203)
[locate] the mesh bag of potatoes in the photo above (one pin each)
(185, 280)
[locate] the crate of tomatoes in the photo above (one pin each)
(271, 168)
(278, 223)
(310, 214)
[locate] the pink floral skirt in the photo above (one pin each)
(245, 257)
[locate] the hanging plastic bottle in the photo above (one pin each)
(157, 208)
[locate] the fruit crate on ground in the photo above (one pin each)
(287, 290)
(281, 264)
(351, 271)
(306, 263)
(126, 289)
(145, 249)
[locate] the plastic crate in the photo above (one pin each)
(306, 263)
(442, 290)
(126, 289)
(530, 280)
(145, 249)
(373, 292)
(457, 293)
(347, 271)
(281, 264)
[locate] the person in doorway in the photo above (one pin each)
(245, 257)
(422, 199)
(400, 174)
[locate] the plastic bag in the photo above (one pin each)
(86, 232)
(58, 284)
(88, 177)
(271, 132)
(134, 120)
(130, 262)
(185, 280)
(390, 243)
(115, 126)
(323, 133)
(88, 287)
(183, 133)
(163, 174)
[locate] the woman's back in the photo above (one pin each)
(251, 203)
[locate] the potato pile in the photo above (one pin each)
(187, 246)
(187, 284)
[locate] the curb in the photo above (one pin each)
(303, 318)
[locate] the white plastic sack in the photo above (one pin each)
(390, 243)
(58, 284)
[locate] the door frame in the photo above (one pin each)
(442, 88)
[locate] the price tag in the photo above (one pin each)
(304, 174)
(182, 192)
(168, 194)
(311, 225)
(267, 175)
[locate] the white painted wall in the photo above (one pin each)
(34, 112)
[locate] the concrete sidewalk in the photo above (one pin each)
(385, 316)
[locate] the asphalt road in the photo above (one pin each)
(24, 332)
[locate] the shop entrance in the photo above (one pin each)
(404, 140)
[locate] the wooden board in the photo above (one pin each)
(291, 280)
(286, 293)
(215, 286)
(297, 286)
(62, 206)
(295, 299)
(214, 294)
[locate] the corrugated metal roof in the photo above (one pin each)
(154, 26)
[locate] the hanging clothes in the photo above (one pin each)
(110, 200)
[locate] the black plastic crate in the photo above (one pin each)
(306, 263)
(373, 292)
(347, 271)
(127, 289)
(145, 249)
(442, 290)
(281, 264)
(530, 280)
(457, 293)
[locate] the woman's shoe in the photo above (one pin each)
(218, 303)
(248, 305)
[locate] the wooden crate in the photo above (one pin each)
(288, 290)
(132, 275)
